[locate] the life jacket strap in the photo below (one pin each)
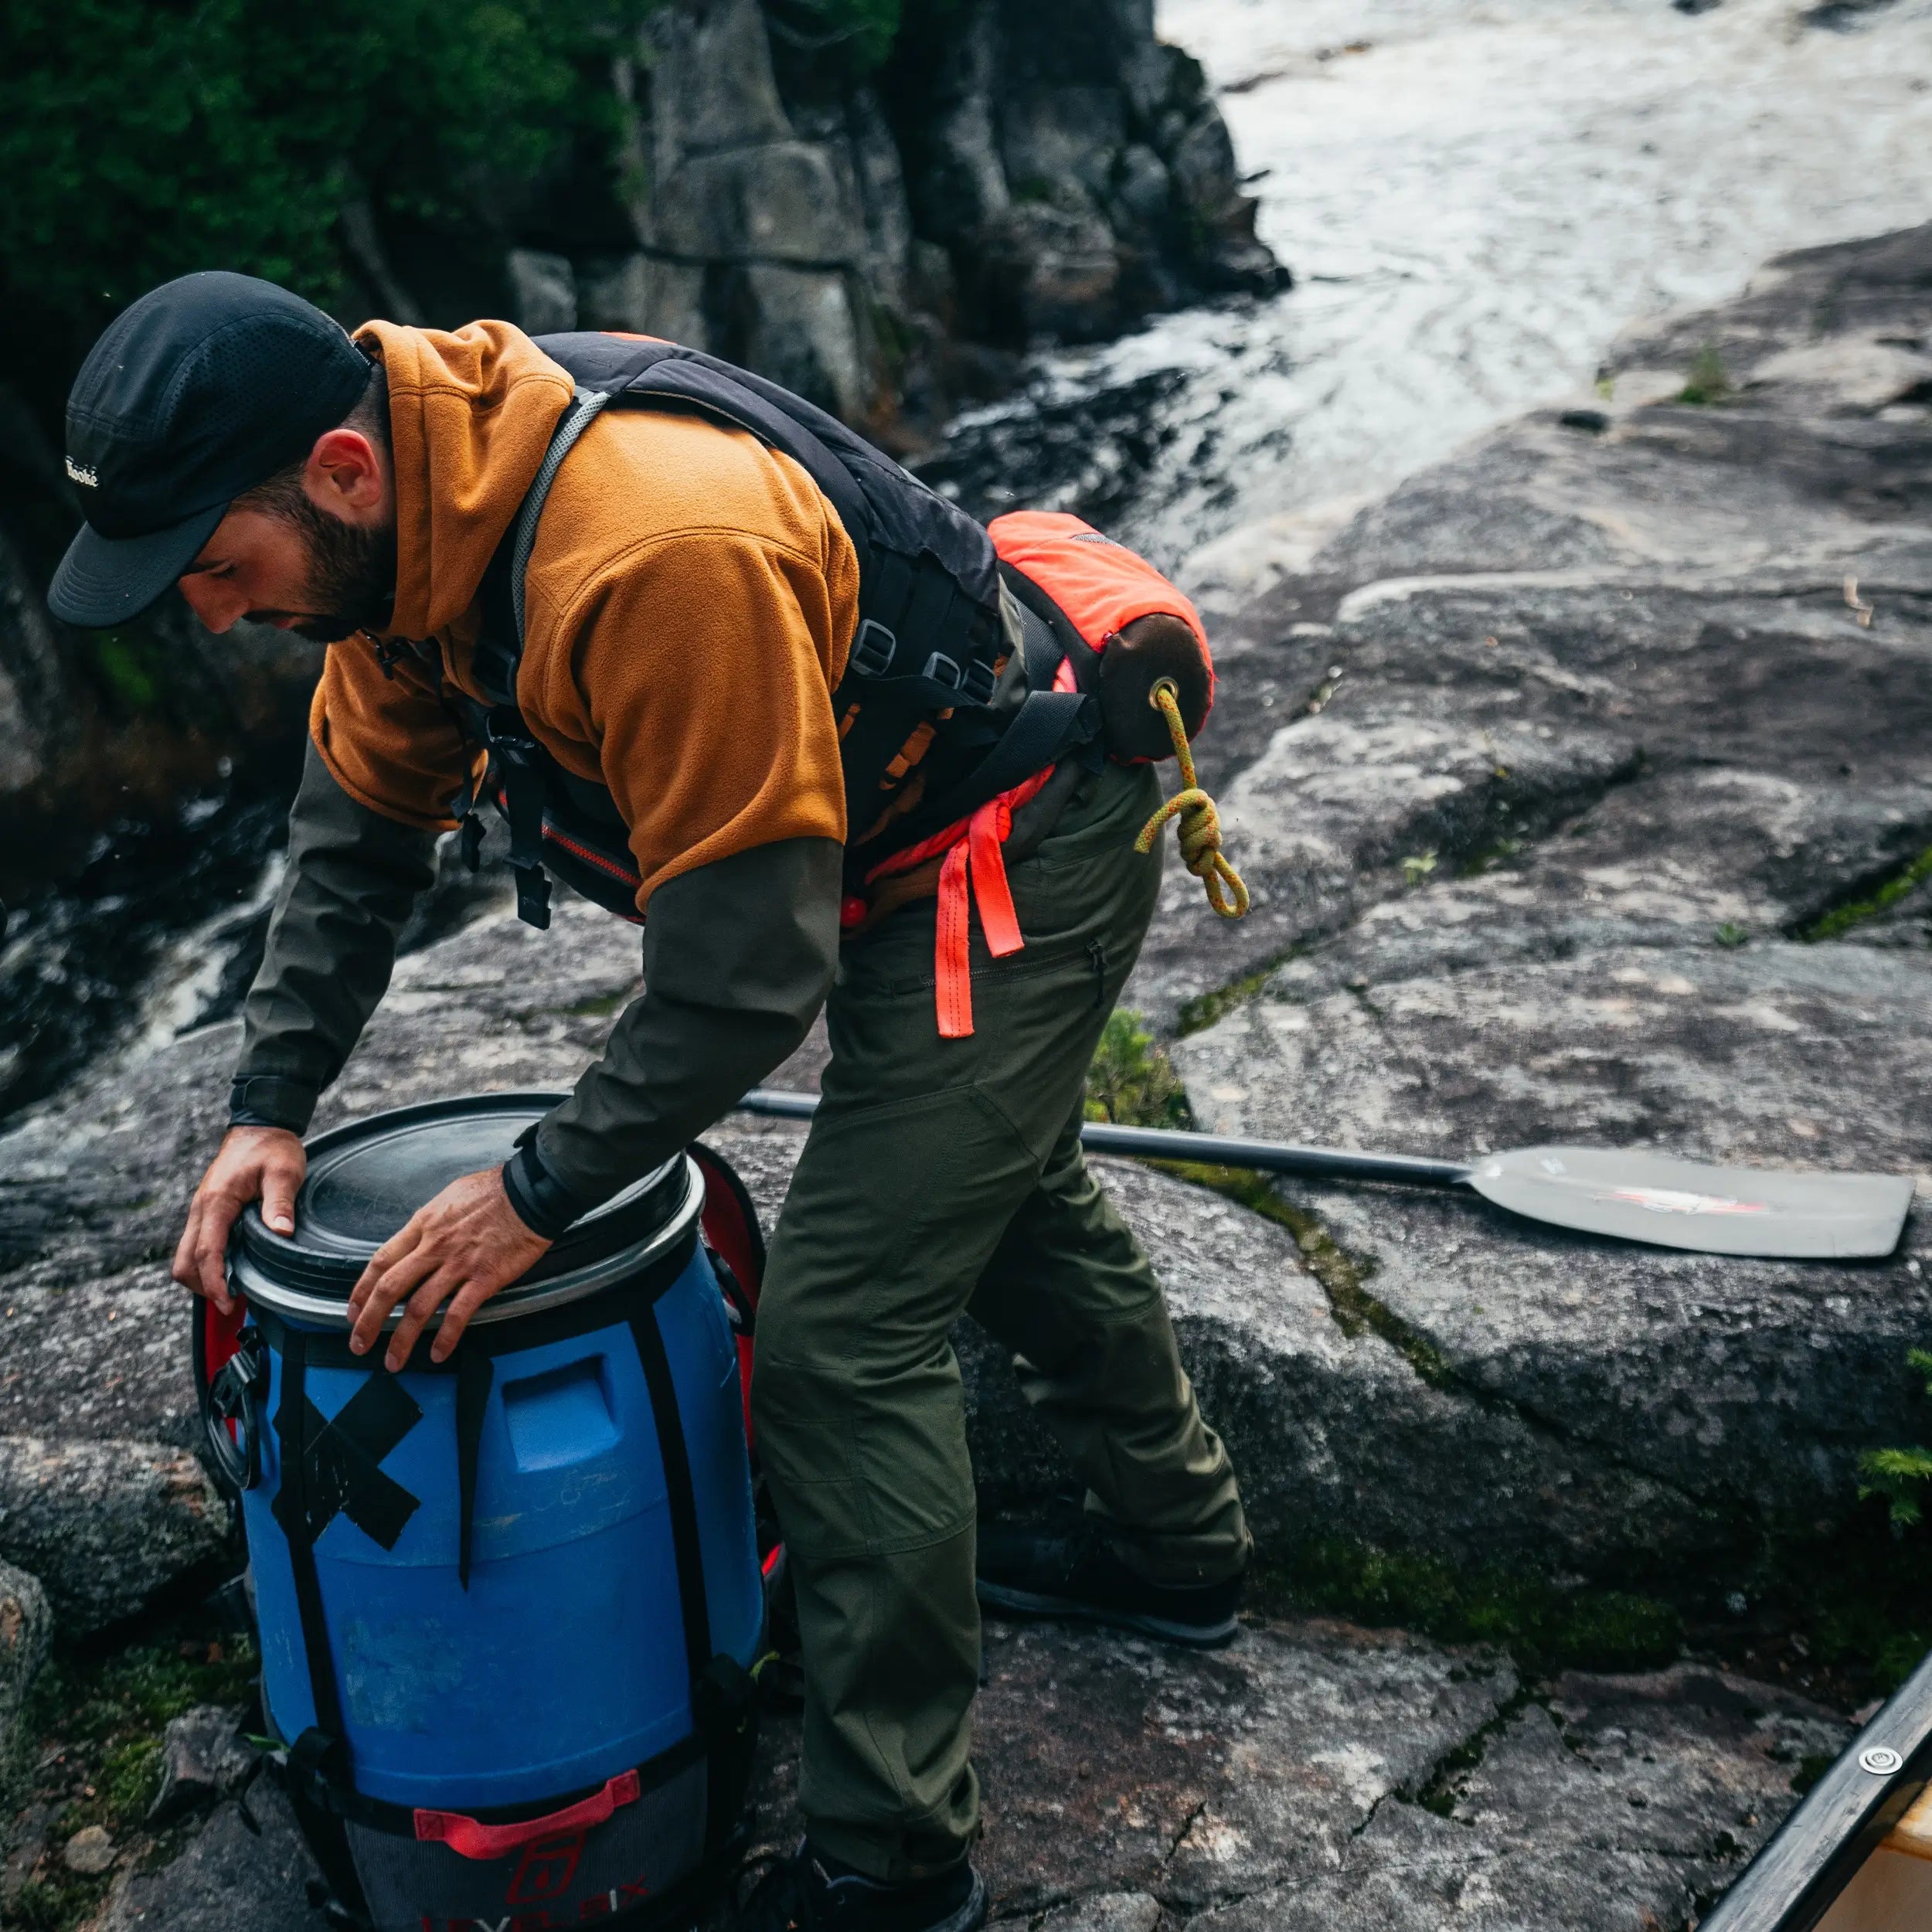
(520, 761)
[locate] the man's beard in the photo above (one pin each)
(352, 573)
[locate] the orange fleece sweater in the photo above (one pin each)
(688, 608)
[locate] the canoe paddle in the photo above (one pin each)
(1626, 1193)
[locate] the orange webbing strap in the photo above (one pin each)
(975, 865)
(1199, 830)
(952, 954)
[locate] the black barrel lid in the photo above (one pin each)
(365, 1179)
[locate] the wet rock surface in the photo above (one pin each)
(26, 1630)
(1311, 1774)
(1603, 825)
(107, 1525)
(204, 1758)
(246, 1871)
(1550, 796)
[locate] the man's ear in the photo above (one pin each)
(345, 474)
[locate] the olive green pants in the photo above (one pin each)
(943, 1177)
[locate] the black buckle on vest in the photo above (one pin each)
(532, 896)
(517, 757)
(973, 684)
(872, 650)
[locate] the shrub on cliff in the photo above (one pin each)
(140, 139)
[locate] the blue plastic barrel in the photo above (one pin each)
(498, 1562)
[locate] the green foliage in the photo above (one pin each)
(129, 668)
(141, 139)
(1732, 934)
(1840, 921)
(1417, 867)
(1710, 382)
(90, 1736)
(1131, 1081)
(1897, 1473)
(1200, 1012)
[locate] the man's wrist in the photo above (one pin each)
(541, 1202)
(270, 1100)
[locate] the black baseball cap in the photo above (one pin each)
(205, 388)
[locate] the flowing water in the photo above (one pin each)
(1474, 196)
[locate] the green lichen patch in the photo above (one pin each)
(1841, 919)
(1131, 1082)
(1543, 1627)
(1440, 1791)
(1710, 382)
(91, 1740)
(1199, 1014)
(600, 1006)
(1344, 1277)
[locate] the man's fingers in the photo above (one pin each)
(218, 1216)
(182, 1267)
(405, 1241)
(388, 1289)
(278, 1199)
(456, 1317)
(423, 1304)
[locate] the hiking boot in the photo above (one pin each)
(810, 1892)
(1034, 1572)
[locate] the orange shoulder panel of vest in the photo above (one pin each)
(1101, 585)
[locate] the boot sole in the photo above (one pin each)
(1167, 1630)
(970, 1916)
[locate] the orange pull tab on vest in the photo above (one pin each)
(975, 865)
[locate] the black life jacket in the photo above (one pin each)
(921, 746)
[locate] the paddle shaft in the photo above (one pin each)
(1161, 1143)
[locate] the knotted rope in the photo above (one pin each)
(1200, 828)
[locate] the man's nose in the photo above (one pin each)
(214, 600)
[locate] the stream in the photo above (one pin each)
(1474, 196)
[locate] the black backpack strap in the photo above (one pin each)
(476, 1374)
(682, 379)
(1049, 726)
(681, 1494)
(324, 1746)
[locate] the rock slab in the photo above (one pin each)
(26, 1631)
(1311, 1774)
(106, 1525)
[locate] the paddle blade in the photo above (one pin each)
(1715, 1210)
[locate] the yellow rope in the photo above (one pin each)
(1200, 827)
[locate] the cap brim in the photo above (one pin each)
(107, 580)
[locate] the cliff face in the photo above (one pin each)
(1013, 174)
(885, 248)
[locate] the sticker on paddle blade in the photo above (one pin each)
(1635, 1196)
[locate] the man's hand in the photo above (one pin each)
(461, 1248)
(265, 1164)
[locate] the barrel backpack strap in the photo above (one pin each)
(516, 760)
(681, 1495)
(475, 1375)
(723, 1695)
(1049, 727)
(325, 1746)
